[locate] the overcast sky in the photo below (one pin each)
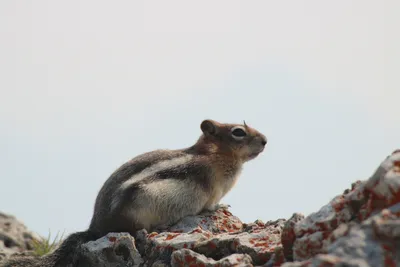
(87, 85)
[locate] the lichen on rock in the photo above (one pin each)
(112, 250)
(15, 238)
(360, 227)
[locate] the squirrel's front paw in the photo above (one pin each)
(222, 206)
(217, 207)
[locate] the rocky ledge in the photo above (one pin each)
(15, 238)
(360, 227)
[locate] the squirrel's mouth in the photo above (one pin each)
(255, 154)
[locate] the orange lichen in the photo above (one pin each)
(171, 236)
(259, 223)
(234, 226)
(112, 239)
(388, 256)
(151, 235)
(212, 245)
(279, 258)
(264, 257)
(189, 259)
(227, 213)
(235, 244)
(264, 243)
(377, 202)
(207, 234)
(179, 261)
(197, 230)
(309, 248)
(339, 203)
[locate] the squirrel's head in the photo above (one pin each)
(240, 140)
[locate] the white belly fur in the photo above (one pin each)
(164, 202)
(167, 201)
(221, 188)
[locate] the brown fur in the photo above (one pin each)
(225, 155)
(163, 186)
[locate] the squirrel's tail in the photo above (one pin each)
(67, 254)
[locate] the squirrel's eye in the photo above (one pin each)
(239, 132)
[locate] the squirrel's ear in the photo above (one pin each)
(209, 127)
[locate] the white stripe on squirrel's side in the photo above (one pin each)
(159, 166)
(150, 171)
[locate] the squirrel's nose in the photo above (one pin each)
(264, 141)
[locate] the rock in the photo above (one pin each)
(112, 250)
(360, 227)
(187, 257)
(221, 221)
(288, 235)
(258, 240)
(216, 235)
(14, 237)
(375, 242)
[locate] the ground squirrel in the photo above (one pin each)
(161, 187)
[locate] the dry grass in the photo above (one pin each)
(45, 246)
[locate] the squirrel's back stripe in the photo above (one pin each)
(153, 169)
(148, 172)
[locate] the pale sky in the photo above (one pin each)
(87, 85)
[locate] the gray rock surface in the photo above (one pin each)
(360, 227)
(187, 257)
(112, 250)
(14, 236)
(216, 235)
(374, 242)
